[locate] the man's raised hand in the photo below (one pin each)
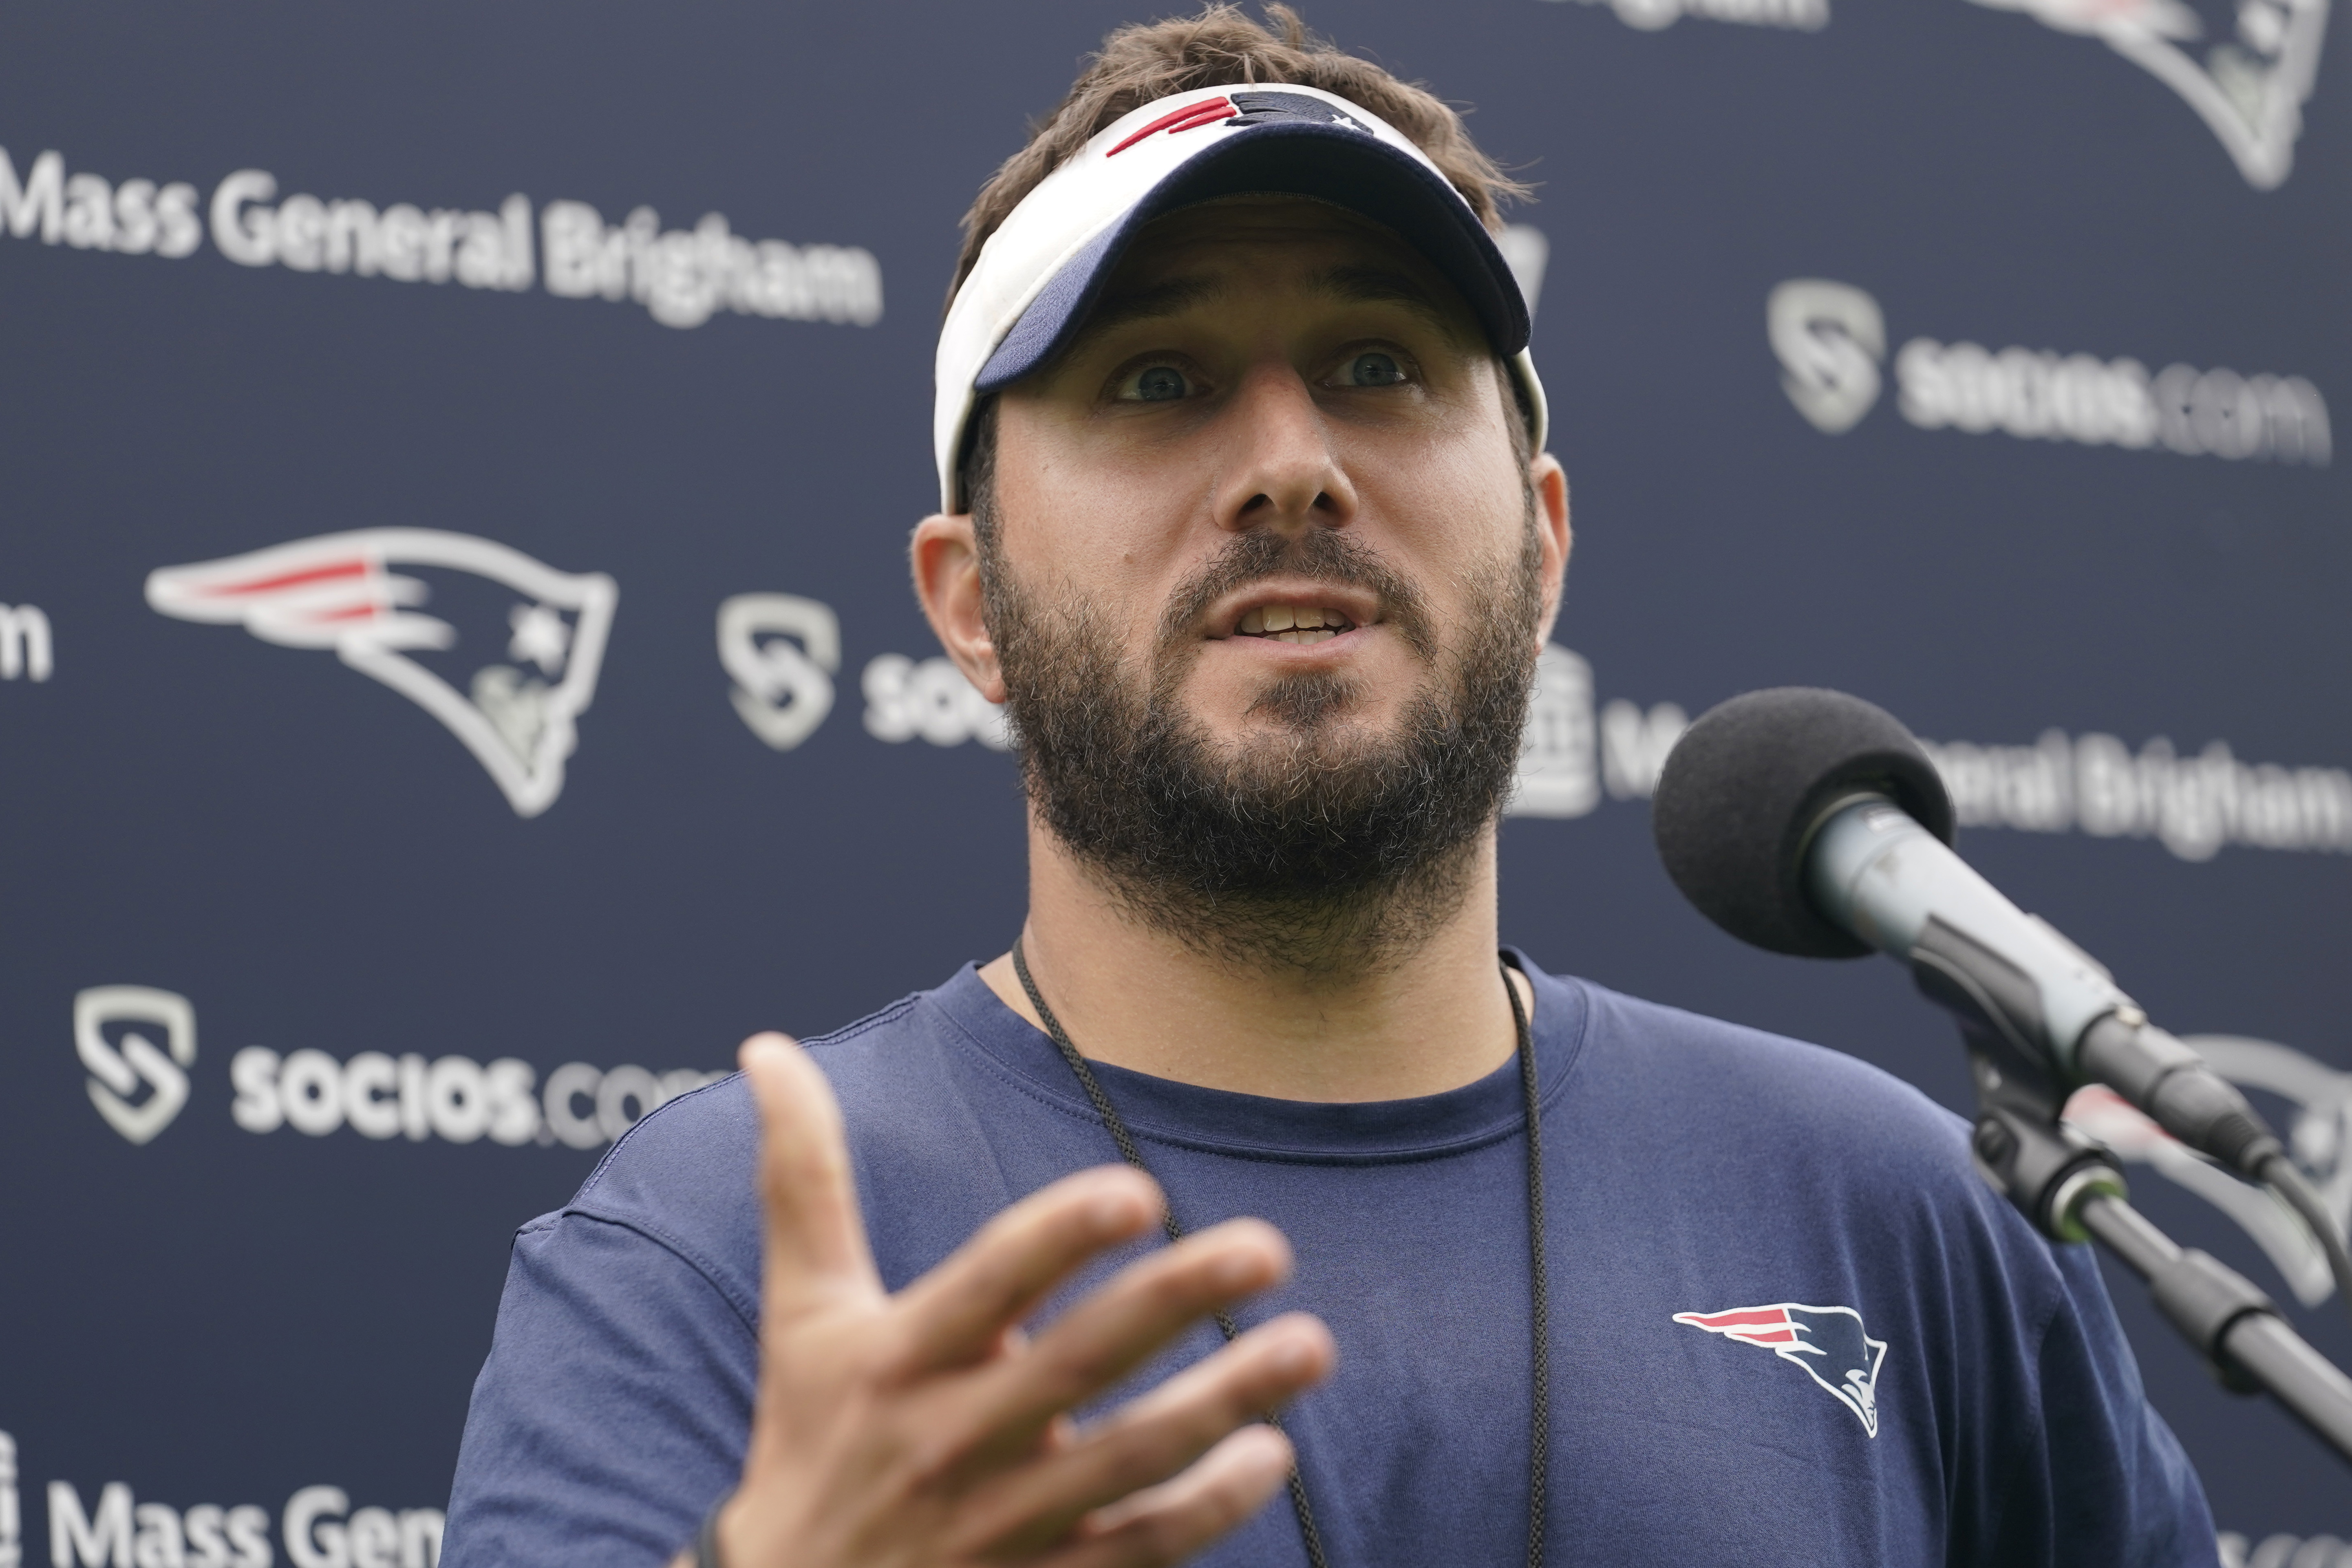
(925, 1429)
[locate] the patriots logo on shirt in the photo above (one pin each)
(342, 590)
(1243, 110)
(1829, 1342)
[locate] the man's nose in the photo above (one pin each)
(1281, 471)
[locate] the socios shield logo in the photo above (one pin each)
(342, 590)
(1830, 338)
(137, 1079)
(783, 651)
(2250, 84)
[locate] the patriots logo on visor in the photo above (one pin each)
(1828, 1343)
(340, 590)
(1243, 110)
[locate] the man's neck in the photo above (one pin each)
(1430, 1019)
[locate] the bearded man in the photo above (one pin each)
(1247, 519)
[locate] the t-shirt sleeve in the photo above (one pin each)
(613, 1410)
(2093, 1474)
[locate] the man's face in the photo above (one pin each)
(1282, 368)
(1266, 577)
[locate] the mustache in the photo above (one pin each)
(1321, 554)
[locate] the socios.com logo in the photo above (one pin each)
(139, 1043)
(453, 1098)
(1831, 339)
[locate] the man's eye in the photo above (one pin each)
(1155, 384)
(1373, 368)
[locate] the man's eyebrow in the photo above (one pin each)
(1348, 283)
(1355, 284)
(1173, 297)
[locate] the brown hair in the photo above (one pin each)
(1223, 46)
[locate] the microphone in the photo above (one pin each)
(1810, 822)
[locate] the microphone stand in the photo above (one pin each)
(2073, 1190)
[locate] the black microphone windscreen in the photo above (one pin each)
(1740, 794)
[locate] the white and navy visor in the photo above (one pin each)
(1038, 275)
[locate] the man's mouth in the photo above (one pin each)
(1295, 623)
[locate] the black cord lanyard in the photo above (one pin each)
(1539, 1443)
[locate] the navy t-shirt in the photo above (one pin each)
(1790, 1325)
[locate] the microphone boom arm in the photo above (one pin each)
(2072, 1191)
(2040, 1015)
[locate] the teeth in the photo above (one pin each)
(1293, 623)
(1272, 620)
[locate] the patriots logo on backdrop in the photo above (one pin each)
(2256, 70)
(1242, 110)
(342, 590)
(1829, 1342)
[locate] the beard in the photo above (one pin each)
(1325, 848)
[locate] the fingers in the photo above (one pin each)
(1152, 1438)
(1111, 1332)
(957, 1314)
(817, 1253)
(1169, 1523)
(1157, 1434)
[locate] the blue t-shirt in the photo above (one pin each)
(1790, 1325)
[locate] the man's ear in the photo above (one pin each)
(945, 555)
(1552, 530)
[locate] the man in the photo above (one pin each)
(1246, 517)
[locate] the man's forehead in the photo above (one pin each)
(1211, 252)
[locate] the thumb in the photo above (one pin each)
(818, 1254)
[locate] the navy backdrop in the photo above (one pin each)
(458, 675)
